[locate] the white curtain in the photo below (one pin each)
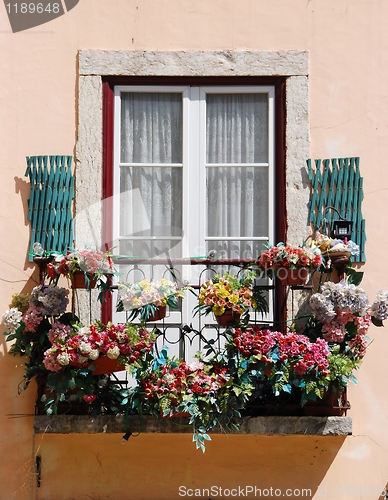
(237, 190)
(151, 196)
(237, 194)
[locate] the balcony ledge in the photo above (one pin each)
(267, 425)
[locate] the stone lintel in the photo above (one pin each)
(193, 63)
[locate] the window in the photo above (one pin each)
(193, 172)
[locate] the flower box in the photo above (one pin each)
(80, 280)
(228, 318)
(105, 366)
(293, 277)
(333, 403)
(158, 315)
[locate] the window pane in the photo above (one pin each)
(237, 128)
(149, 249)
(151, 127)
(151, 205)
(236, 249)
(237, 201)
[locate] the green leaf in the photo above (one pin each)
(355, 277)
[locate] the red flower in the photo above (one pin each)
(89, 399)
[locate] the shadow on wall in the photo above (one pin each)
(167, 467)
(20, 281)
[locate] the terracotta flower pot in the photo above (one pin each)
(229, 318)
(159, 314)
(181, 414)
(333, 403)
(290, 277)
(80, 281)
(105, 366)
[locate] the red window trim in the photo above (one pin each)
(108, 84)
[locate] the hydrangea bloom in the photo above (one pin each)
(379, 308)
(51, 299)
(11, 319)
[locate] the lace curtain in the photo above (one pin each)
(151, 180)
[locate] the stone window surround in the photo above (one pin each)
(93, 64)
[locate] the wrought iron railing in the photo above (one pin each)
(187, 335)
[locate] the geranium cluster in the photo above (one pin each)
(79, 346)
(227, 292)
(290, 256)
(176, 378)
(290, 350)
(288, 364)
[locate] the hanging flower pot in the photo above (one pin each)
(82, 281)
(159, 314)
(105, 365)
(228, 318)
(291, 277)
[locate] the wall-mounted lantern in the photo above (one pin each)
(341, 228)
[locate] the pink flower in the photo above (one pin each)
(32, 318)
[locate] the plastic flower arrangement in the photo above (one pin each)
(144, 298)
(290, 256)
(332, 248)
(30, 316)
(61, 352)
(285, 361)
(76, 348)
(94, 264)
(229, 292)
(341, 314)
(204, 391)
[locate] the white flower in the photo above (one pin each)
(64, 358)
(84, 348)
(84, 331)
(113, 353)
(93, 354)
(11, 319)
(379, 308)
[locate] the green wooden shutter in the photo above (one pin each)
(50, 203)
(337, 183)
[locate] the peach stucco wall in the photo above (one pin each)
(347, 43)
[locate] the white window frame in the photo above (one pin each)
(194, 153)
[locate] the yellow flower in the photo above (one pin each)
(222, 293)
(234, 298)
(145, 285)
(218, 310)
